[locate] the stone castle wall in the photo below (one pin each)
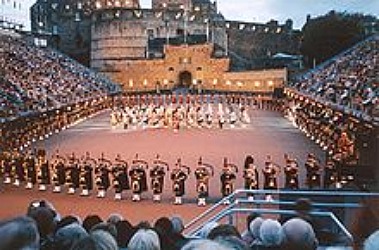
(206, 72)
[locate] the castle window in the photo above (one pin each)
(184, 60)
(199, 68)
(171, 69)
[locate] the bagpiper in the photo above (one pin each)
(157, 174)
(86, 174)
(227, 178)
(6, 167)
(59, 172)
(72, 174)
(31, 173)
(102, 176)
(330, 174)
(251, 175)
(138, 178)
(202, 174)
(291, 171)
(120, 177)
(313, 171)
(43, 170)
(179, 176)
(17, 169)
(270, 173)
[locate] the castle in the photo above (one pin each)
(175, 43)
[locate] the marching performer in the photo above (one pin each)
(137, 175)
(120, 177)
(202, 174)
(291, 171)
(102, 176)
(43, 171)
(179, 176)
(313, 175)
(59, 172)
(6, 167)
(86, 174)
(251, 175)
(31, 173)
(227, 178)
(73, 174)
(113, 119)
(232, 117)
(220, 116)
(270, 173)
(18, 169)
(157, 175)
(330, 174)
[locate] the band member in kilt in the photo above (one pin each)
(120, 177)
(157, 174)
(138, 178)
(330, 174)
(59, 172)
(227, 178)
(30, 167)
(6, 167)
(313, 171)
(202, 174)
(86, 174)
(179, 176)
(43, 170)
(102, 176)
(291, 171)
(270, 173)
(18, 169)
(251, 175)
(73, 174)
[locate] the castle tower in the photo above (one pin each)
(172, 4)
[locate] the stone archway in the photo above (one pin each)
(185, 79)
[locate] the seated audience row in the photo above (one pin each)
(44, 228)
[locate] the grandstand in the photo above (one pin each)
(49, 102)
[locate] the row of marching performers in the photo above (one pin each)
(180, 116)
(87, 174)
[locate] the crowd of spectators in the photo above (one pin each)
(349, 80)
(35, 79)
(44, 228)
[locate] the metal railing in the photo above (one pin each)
(238, 205)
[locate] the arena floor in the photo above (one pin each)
(268, 133)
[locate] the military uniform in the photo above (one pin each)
(18, 169)
(227, 179)
(102, 177)
(330, 174)
(178, 177)
(157, 175)
(291, 172)
(120, 178)
(73, 175)
(7, 168)
(313, 175)
(86, 175)
(202, 175)
(59, 176)
(43, 170)
(270, 172)
(31, 173)
(138, 179)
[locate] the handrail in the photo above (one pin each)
(231, 211)
(233, 198)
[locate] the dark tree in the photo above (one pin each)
(328, 35)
